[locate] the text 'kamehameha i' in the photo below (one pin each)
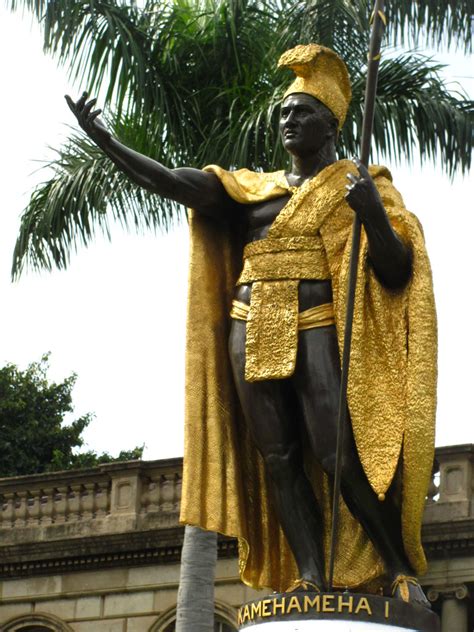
(287, 605)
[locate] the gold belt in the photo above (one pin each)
(275, 266)
(318, 316)
(296, 257)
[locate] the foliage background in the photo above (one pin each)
(33, 435)
(194, 82)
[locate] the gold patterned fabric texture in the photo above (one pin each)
(391, 391)
(321, 73)
(318, 316)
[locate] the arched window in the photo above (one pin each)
(34, 628)
(225, 617)
(219, 626)
(36, 623)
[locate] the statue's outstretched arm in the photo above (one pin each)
(390, 257)
(191, 187)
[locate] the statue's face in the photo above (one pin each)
(305, 124)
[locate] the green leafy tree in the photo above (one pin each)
(33, 436)
(193, 82)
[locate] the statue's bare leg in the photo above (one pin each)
(316, 384)
(271, 412)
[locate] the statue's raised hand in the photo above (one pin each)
(88, 118)
(362, 195)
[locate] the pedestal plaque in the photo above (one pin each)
(335, 612)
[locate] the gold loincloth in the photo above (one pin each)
(275, 266)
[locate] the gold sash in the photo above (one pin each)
(318, 316)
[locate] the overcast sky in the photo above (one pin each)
(116, 316)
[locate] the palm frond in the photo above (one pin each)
(434, 22)
(103, 43)
(415, 115)
(193, 82)
(85, 195)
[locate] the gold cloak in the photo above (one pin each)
(391, 392)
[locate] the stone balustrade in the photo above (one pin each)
(53, 503)
(132, 497)
(150, 493)
(115, 497)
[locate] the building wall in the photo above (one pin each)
(135, 599)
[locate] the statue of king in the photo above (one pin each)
(267, 292)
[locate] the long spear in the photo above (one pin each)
(378, 27)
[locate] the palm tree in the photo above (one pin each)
(195, 610)
(192, 82)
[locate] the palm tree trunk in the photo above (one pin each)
(195, 611)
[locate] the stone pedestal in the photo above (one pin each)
(325, 626)
(334, 612)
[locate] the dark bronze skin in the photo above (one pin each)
(284, 415)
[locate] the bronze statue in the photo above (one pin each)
(260, 448)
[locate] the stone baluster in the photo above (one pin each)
(46, 504)
(60, 503)
(153, 495)
(177, 492)
(8, 510)
(21, 509)
(34, 511)
(454, 606)
(74, 502)
(87, 499)
(30, 501)
(3, 506)
(101, 500)
(167, 485)
(145, 497)
(17, 511)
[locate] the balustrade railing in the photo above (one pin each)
(52, 504)
(147, 491)
(138, 495)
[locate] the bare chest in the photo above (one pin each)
(259, 217)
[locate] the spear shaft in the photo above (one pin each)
(378, 28)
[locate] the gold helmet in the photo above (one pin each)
(322, 74)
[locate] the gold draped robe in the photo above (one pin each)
(391, 391)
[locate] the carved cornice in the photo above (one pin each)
(448, 539)
(447, 549)
(162, 546)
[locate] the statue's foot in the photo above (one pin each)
(304, 584)
(408, 589)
